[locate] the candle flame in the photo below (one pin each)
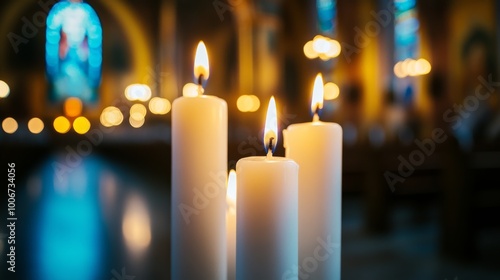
(231, 189)
(317, 96)
(271, 128)
(201, 66)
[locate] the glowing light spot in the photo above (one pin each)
(136, 225)
(159, 106)
(191, 90)
(62, 124)
(399, 71)
(111, 116)
(81, 125)
(321, 44)
(35, 125)
(244, 103)
(9, 125)
(422, 66)
(136, 123)
(309, 50)
(255, 103)
(138, 92)
(4, 89)
(331, 91)
(334, 49)
(73, 107)
(138, 112)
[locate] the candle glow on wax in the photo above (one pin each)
(317, 96)
(201, 65)
(231, 190)
(271, 128)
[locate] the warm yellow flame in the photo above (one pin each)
(318, 92)
(271, 128)
(231, 189)
(35, 125)
(201, 66)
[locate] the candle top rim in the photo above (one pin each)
(315, 123)
(266, 159)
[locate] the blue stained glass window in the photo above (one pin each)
(73, 51)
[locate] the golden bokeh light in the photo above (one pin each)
(62, 124)
(73, 107)
(4, 89)
(81, 125)
(111, 116)
(191, 90)
(9, 125)
(136, 123)
(35, 125)
(331, 91)
(159, 106)
(140, 92)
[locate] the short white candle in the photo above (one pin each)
(267, 221)
(317, 148)
(199, 172)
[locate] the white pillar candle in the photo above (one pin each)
(267, 221)
(231, 225)
(317, 148)
(199, 172)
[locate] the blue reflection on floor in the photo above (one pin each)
(68, 226)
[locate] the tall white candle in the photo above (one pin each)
(231, 225)
(199, 166)
(317, 148)
(267, 221)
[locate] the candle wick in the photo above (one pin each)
(270, 148)
(315, 117)
(200, 80)
(316, 114)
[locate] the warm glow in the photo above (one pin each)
(9, 125)
(331, 91)
(138, 112)
(136, 225)
(62, 124)
(271, 128)
(317, 96)
(35, 125)
(201, 65)
(399, 71)
(321, 44)
(191, 90)
(138, 92)
(111, 116)
(231, 190)
(159, 106)
(334, 49)
(4, 89)
(136, 123)
(81, 125)
(412, 67)
(248, 103)
(309, 50)
(422, 66)
(73, 107)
